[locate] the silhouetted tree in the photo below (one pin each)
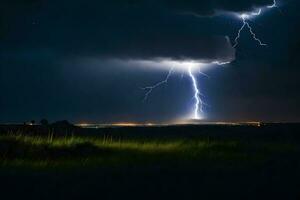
(63, 123)
(32, 122)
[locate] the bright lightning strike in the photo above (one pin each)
(245, 17)
(198, 102)
(190, 67)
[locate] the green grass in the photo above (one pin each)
(19, 150)
(72, 167)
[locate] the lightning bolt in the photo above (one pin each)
(244, 17)
(198, 102)
(274, 5)
(149, 89)
(198, 105)
(246, 24)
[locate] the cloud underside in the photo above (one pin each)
(204, 49)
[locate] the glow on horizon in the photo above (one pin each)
(170, 123)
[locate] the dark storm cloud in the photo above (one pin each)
(48, 49)
(206, 49)
(126, 29)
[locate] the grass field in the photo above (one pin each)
(72, 151)
(74, 166)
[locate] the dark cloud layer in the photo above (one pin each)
(126, 29)
(43, 75)
(205, 49)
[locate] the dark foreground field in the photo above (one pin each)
(177, 162)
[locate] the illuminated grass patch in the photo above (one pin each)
(47, 151)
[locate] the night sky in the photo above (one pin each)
(77, 60)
